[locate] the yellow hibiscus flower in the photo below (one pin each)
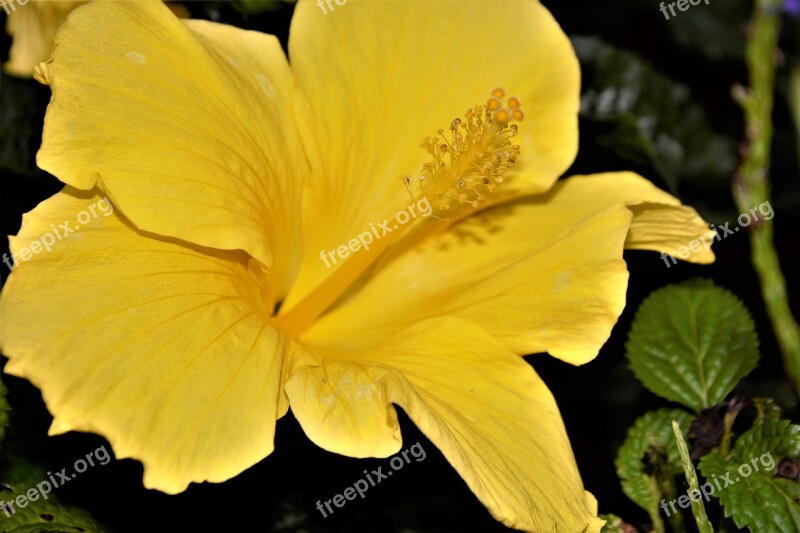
(32, 26)
(184, 324)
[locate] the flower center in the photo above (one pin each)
(467, 163)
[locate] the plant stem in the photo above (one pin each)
(751, 185)
(698, 509)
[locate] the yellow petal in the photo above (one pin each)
(481, 405)
(341, 406)
(186, 125)
(400, 71)
(660, 222)
(32, 27)
(165, 349)
(544, 274)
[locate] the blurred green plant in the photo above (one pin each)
(17, 124)
(654, 121)
(4, 409)
(718, 30)
(752, 185)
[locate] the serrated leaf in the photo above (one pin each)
(654, 120)
(746, 484)
(40, 514)
(691, 343)
(651, 431)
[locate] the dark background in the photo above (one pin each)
(700, 50)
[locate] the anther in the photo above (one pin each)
(469, 163)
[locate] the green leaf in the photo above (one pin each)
(649, 441)
(692, 343)
(653, 121)
(40, 514)
(754, 497)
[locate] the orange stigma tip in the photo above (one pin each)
(501, 116)
(493, 104)
(518, 114)
(513, 102)
(498, 93)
